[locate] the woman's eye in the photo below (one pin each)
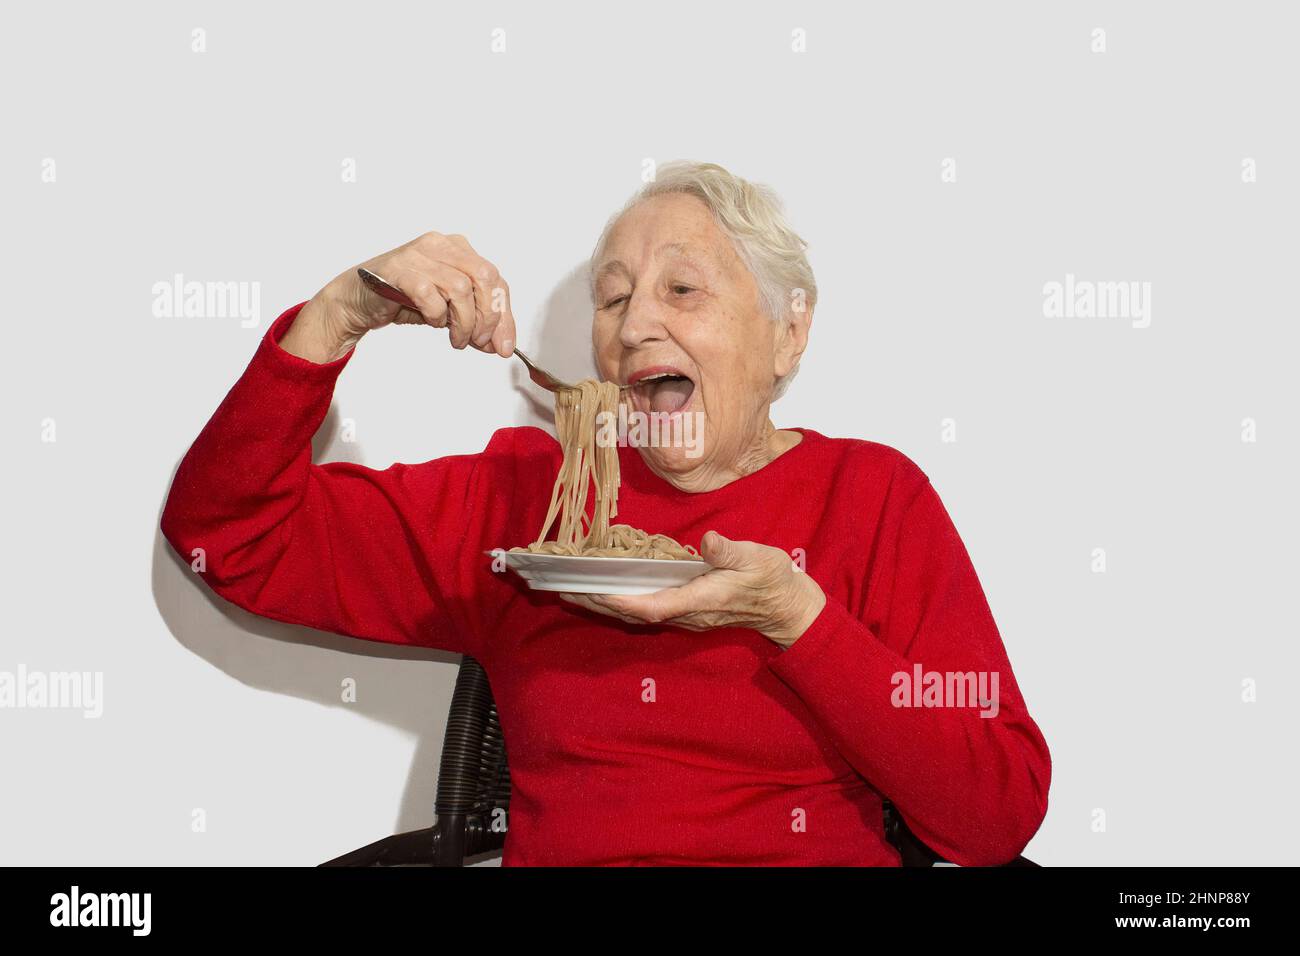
(681, 289)
(614, 302)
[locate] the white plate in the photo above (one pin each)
(563, 572)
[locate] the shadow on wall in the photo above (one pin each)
(309, 664)
(561, 344)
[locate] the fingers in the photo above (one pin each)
(690, 606)
(493, 300)
(407, 272)
(419, 279)
(503, 336)
(493, 322)
(452, 286)
(722, 552)
(749, 585)
(459, 290)
(668, 604)
(590, 602)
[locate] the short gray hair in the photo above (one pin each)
(753, 218)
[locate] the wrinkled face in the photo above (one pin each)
(678, 318)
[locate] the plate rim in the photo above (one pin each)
(584, 558)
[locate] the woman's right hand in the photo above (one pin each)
(453, 285)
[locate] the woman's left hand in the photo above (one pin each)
(749, 585)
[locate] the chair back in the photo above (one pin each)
(473, 797)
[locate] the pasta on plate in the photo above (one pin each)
(587, 463)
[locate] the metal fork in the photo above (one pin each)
(389, 291)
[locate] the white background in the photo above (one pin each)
(1072, 434)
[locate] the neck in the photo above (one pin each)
(709, 475)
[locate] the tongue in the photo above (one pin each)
(670, 394)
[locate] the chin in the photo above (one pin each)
(672, 460)
(674, 443)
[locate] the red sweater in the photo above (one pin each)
(642, 745)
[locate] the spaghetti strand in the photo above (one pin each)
(587, 462)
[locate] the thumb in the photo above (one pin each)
(720, 552)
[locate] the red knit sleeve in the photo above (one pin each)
(970, 778)
(392, 555)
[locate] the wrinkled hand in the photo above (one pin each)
(749, 585)
(452, 286)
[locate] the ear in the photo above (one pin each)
(791, 340)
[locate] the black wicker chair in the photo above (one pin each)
(474, 794)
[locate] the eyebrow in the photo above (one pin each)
(679, 250)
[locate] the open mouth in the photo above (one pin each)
(661, 389)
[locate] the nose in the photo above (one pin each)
(643, 321)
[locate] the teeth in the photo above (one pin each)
(655, 378)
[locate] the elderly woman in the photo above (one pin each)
(757, 715)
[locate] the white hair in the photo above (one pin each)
(752, 217)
